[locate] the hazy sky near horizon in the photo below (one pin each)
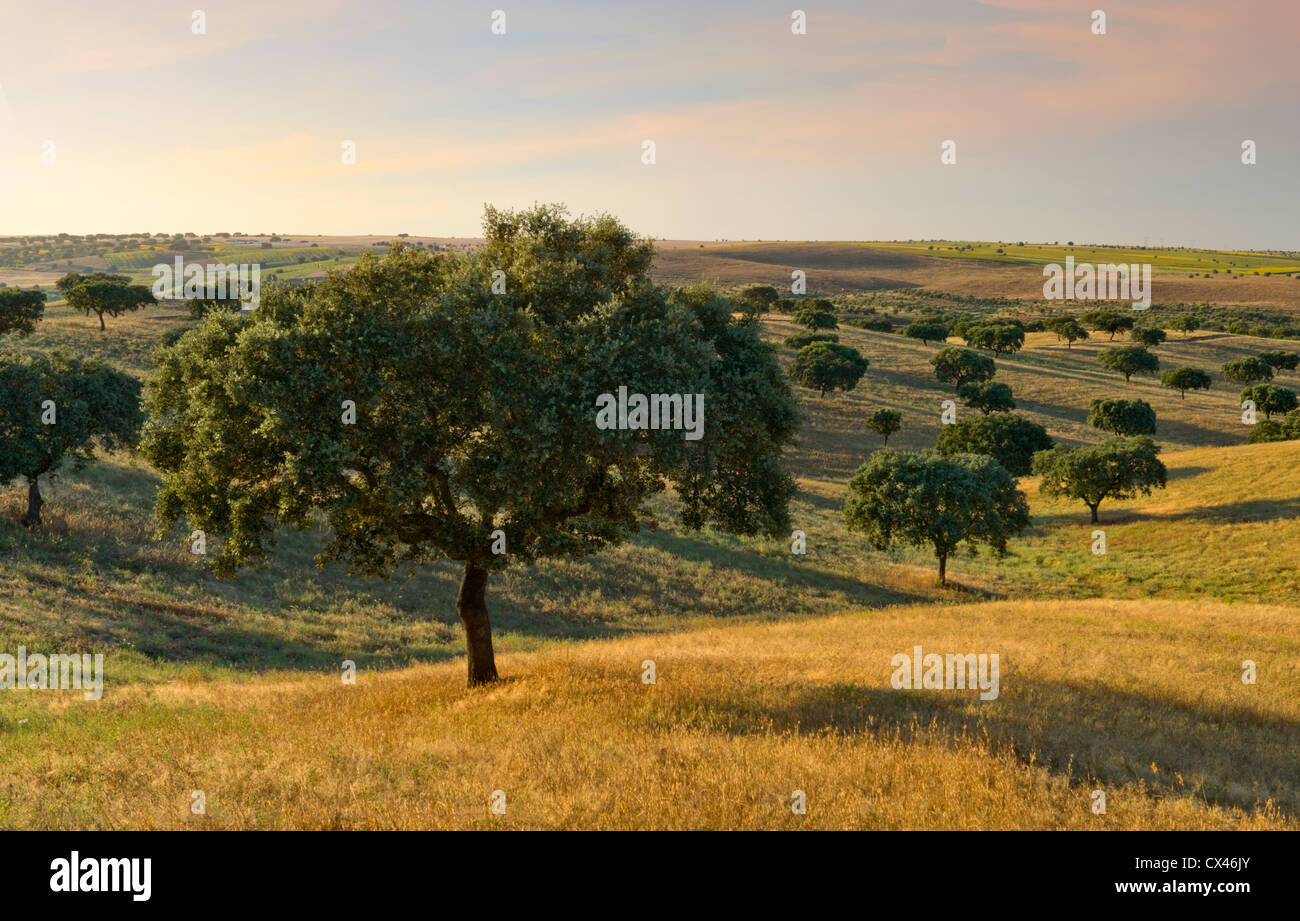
(1129, 137)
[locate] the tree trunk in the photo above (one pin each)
(471, 605)
(34, 503)
(1093, 509)
(943, 569)
(102, 327)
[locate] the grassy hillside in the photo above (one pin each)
(1142, 700)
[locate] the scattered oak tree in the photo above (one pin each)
(1010, 439)
(756, 300)
(1185, 379)
(957, 365)
(885, 422)
(475, 412)
(825, 366)
(1272, 430)
(1067, 328)
(1279, 360)
(103, 295)
(55, 410)
(926, 332)
(814, 316)
(799, 340)
(1270, 399)
(1248, 370)
(1120, 468)
(20, 309)
(1149, 336)
(929, 499)
(1129, 360)
(987, 396)
(1122, 417)
(998, 338)
(1108, 321)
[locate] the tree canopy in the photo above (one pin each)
(475, 413)
(1108, 321)
(1010, 439)
(1067, 328)
(1129, 360)
(1149, 336)
(825, 366)
(1280, 360)
(1184, 379)
(885, 422)
(927, 332)
(1122, 417)
(1120, 468)
(957, 365)
(815, 318)
(1270, 399)
(20, 309)
(987, 396)
(1248, 370)
(55, 410)
(104, 295)
(929, 499)
(998, 338)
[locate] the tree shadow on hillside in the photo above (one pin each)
(1226, 755)
(1246, 510)
(787, 572)
(1185, 473)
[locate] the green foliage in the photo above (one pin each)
(1270, 399)
(1149, 336)
(998, 338)
(1271, 430)
(1108, 321)
(202, 306)
(1120, 468)
(1129, 360)
(885, 422)
(1067, 328)
(929, 499)
(756, 300)
(20, 309)
(799, 340)
(1248, 370)
(1185, 323)
(1122, 417)
(825, 366)
(103, 295)
(987, 396)
(926, 332)
(474, 412)
(1184, 379)
(814, 318)
(1010, 439)
(875, 324)
(56, 409)
(1280, 360)
(957, 365)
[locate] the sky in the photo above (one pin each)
(1133, 136)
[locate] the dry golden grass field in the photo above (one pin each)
(1140, 699)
